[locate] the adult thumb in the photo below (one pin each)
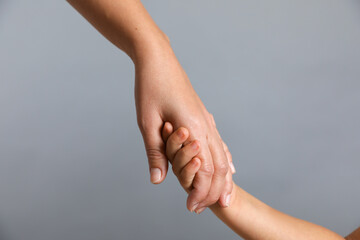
(155, 151)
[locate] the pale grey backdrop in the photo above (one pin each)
(281, 78)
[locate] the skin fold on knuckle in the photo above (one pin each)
(153, 155)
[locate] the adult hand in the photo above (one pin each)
(164, 93)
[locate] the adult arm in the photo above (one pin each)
(163, 92)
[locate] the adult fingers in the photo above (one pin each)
(225, 196)
(226, 149)
(154, 146)
(175, 142)
(229, 157)
(218, 183)
(212, 120)
(202, 180)
(224, 200)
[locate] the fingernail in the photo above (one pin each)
(155, 175)
(200, 210)
(195, 145)
(232, 168)
(194, 207)
(227, 200)
(180, 133)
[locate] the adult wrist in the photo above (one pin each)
(147, 47)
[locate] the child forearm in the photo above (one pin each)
(253, 219)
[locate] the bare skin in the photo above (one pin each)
(247, 216)
(355, 235)
(163, 93)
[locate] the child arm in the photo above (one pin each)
(252, 219)
(246, 215)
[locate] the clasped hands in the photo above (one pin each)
(185, 162)
(163, 93)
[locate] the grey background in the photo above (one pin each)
(281, 78)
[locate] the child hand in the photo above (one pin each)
(182, 156)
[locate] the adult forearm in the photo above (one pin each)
(163, 92)
(125, 23)
(253, 219)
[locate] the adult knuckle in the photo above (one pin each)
(143, 124)
(208, 170)
(222, 169)
(153, 153)
(196, 124)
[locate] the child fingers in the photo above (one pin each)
(167, 131)
(184, 156)
(187, 174)
(175, 142)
